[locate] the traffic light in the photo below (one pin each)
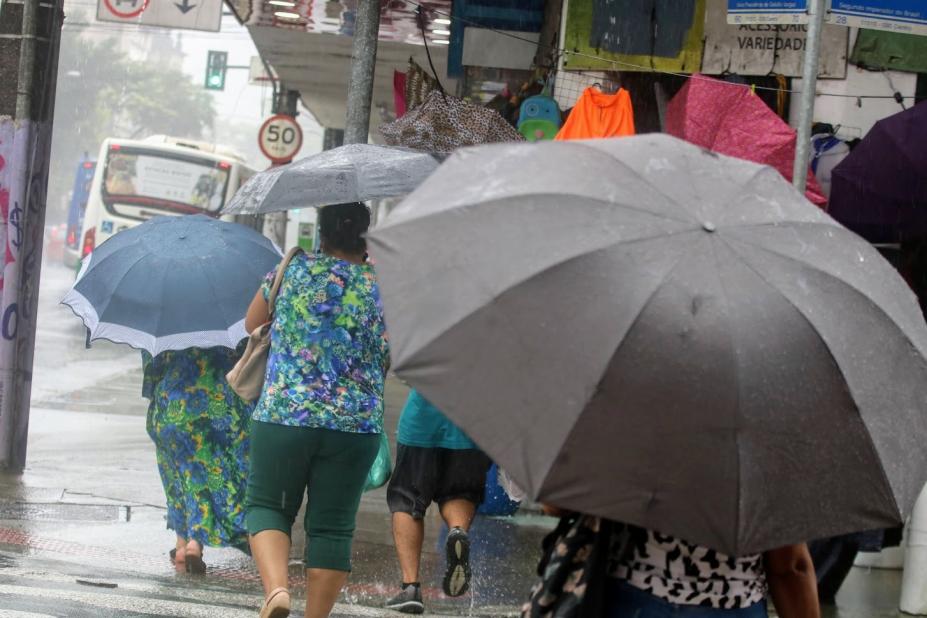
(216, 65)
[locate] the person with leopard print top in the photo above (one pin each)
(659, 576)
(596, 567)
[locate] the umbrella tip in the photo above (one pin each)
(708, 226)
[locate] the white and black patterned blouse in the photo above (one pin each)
(686, 574)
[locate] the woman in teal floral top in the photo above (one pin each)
(318, 419)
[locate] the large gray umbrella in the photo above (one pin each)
(643, 330)
(352, 173)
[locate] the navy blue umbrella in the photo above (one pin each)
(172, 283)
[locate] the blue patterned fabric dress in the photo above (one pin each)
(200, 429)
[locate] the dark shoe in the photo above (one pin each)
(408, 601)
(457, 575)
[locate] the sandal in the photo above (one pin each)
(277, 604)
(194, 561)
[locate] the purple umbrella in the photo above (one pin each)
(880, 190)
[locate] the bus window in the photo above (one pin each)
(136, 178)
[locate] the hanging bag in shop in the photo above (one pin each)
(247, 376)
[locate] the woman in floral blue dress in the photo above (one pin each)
(201, 433)
(318, 420)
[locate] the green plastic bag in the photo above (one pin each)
(382, 466)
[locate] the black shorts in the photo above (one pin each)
(426, 475)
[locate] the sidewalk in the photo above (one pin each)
(82, 530)
(90, 506)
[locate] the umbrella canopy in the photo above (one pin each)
(880, 189)
(352, 173)
(443, 123)
(172, 283)
(643, 330)
(731, 120)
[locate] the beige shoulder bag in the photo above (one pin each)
(247, 376)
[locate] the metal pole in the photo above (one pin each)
(24, 80)
(363, 63)
(809, 81)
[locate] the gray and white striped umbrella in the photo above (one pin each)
(172, 283)
(351, 173)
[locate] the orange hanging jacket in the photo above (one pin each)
(597, 114)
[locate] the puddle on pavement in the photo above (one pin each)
(21, 511)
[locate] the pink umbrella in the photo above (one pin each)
(730, 119)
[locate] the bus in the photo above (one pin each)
(77, 206)
(136, 180)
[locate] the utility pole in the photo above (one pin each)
(27, 103)
(363, 64)
(809, 83)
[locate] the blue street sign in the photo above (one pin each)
(908, 16)
(767, 11)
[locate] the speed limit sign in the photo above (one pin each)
(280, 138)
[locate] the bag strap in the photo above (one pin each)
(278, 278)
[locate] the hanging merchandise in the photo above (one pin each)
(828, 150)
(539, 118)
(730, 119)
(443, 123)
(418, 85)
(597, 114)
(399, 93)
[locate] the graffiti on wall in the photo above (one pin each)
(11, 234)
(21, 218)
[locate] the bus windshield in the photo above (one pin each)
(163, 180)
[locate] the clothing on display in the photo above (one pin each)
(829, 151)
(597, 114)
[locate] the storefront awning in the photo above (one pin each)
(309, 47)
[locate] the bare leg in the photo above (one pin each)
(271, 552)
(458, 513)
(180, 549)
(194, 548)
(322, 589)
(408, 535)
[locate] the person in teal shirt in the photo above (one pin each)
(435, 462)
(424, 426)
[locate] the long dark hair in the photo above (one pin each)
(342, 227)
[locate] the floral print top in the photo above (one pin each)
(329, 352)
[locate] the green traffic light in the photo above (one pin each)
(216, 64)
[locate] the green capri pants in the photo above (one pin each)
(333, 465)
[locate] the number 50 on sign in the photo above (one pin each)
(280, 138)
